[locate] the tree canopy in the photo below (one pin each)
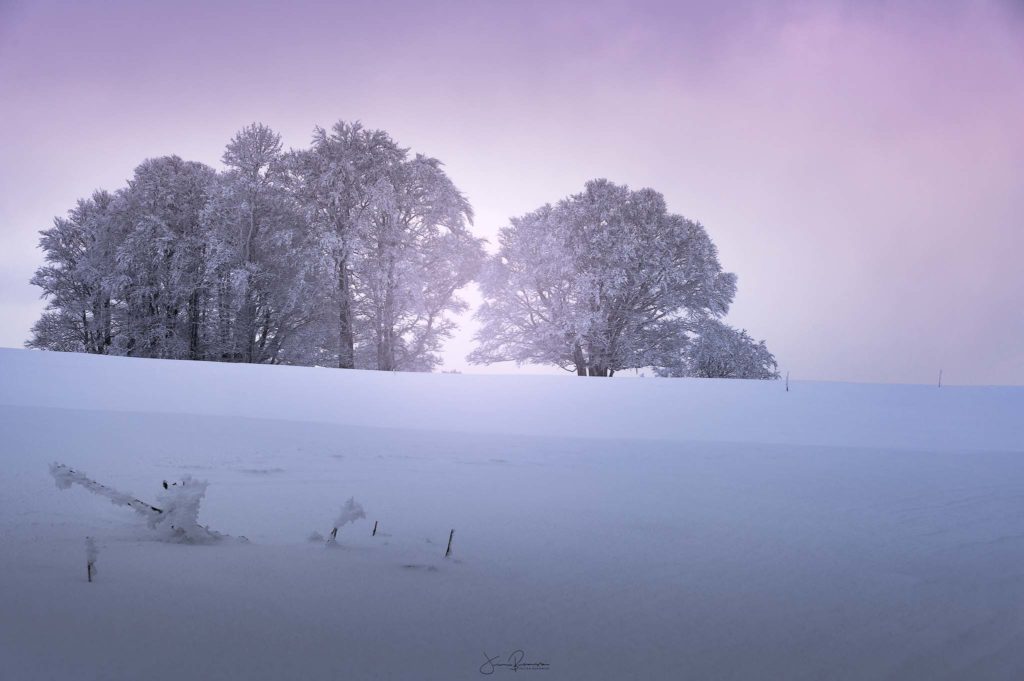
(348, 253)
(351, 253)
(604, 280)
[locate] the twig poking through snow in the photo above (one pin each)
(91, 554)
(65, 477)
(350, 512)
(177, 521)
(449, 551)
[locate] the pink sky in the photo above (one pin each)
(860, 165)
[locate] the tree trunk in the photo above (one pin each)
(193, 325)
(247, 324)
(386, 324)
(225, 343)
(86, 336)
(385, 350)
(108, 336)
(346, 333)
(249, 321)
(578, 359)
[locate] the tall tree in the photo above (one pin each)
(395, 246)
(162, 261)
(78, 278)
(333, 181)
(605, 280)
(415, 253)
(258, 253)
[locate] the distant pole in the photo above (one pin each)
(449, 551)
(787, 381)
(940, 378)
(90, 558)
(374, 529)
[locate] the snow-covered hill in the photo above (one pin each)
(622, 528)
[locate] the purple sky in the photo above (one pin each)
(860, 165)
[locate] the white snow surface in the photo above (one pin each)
(612, 529)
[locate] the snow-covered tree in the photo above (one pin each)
(350, 252)
(395, 247)
(605, 280)
(718, 350)
(415, 252)
(333, 181)
(78, 279)
(161, 264)
(258, 263)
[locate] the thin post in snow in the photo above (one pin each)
(787, 381)
(940, 378)
(374, 529)
(449, 551)
(334, 533)
(90, 558)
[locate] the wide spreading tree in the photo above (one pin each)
(605, 280)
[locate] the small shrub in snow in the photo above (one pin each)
(350, 512)
(179, 521)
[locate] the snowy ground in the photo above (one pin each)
(612, 529)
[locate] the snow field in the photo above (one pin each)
(654, 528)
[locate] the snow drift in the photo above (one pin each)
(839, 414)
(620, 528)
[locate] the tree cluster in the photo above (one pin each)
(350, 253)
(347, 253)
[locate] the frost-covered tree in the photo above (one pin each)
(349, 252)
(415, 252)
(78, 279)
(258, 262)
(161, 264)
(394, 243)
(718, 350)
(604, 280)
(333, 181)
